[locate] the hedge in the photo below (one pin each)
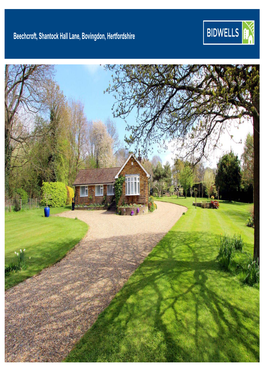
(54, 194)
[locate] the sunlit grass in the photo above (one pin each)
(46, 240)
(179, 305)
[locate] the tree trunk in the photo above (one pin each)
(8, 154)
(256, 186)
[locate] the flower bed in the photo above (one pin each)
(207, 205)
(132, 210)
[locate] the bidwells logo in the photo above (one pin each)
(228, 32)
(248, 29)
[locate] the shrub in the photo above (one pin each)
(225, 252)
(252, 273)
(250, 221)
(152, 206)
(13, 267)
(70, 195)
(54, 194)
(238, 243)
(151, 199)
(22, 195)
(228, 246)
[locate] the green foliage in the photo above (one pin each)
(70, 195)
(17, 204)
(248, 162)
(21, 263)
(152, 206)
(119, 188)
(252, 273)
(228, 177)
(179, 306)
(46, 241)
(250, 221)
(186, 178)
(227, 248)
(208, 181)
(225, 252)
(23, 195)
(151, 199)
(12, 267)
(238, 243)
(54, 194)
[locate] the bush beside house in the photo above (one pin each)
(54, 194)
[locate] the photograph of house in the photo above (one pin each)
(97, 185)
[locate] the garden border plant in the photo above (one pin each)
(119, 188)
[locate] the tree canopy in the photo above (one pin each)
(228, 176)
(190, 103)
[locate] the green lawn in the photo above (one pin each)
(46, 240)
(179, 305)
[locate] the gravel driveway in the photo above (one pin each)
(47, 314)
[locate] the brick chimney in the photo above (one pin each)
(139, 156)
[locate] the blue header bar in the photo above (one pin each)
(141, 34)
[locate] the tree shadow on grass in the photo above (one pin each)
(177, 306)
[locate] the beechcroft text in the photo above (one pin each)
(74, 36)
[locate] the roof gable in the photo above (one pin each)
(135, 159)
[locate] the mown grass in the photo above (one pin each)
(179, 306)
(46, 240)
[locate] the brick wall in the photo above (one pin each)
(129, 169)
(135, 169)
(91, 192)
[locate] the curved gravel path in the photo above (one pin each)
(47, 314)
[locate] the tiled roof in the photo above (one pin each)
(96, 176)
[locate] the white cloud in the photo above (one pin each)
(93, 68)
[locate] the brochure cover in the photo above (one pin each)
(132, 184)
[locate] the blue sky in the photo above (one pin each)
(87, 84)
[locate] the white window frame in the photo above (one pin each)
(132, 185)
(101, 188)
(112, 190)
(85, 194)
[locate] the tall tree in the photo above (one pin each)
(228, 176)
(121, 155)
(102, 145)
(209, 180)
(192, 103)
(186, 178)
(247, 159)
(155, 160)
(112, 131)
(176, 170)
(78, 132)
(25, 93)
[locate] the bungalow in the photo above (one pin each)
(97, 185)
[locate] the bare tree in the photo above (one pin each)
(24, 93)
